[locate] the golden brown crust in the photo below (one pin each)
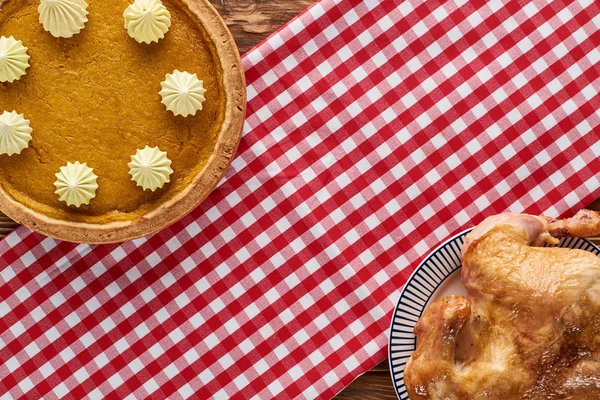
(200, 187)
(531, 330)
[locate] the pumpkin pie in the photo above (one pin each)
(95, 98)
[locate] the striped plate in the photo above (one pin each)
(436, 277)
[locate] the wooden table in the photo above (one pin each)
(251, 21)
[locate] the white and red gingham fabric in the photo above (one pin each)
(375, 130)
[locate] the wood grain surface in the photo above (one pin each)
(250, 22)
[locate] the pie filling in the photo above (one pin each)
(94, 98)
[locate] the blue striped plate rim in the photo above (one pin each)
(420, 287)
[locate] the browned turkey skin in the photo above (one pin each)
(531, 328)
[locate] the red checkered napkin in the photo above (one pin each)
(375, 130)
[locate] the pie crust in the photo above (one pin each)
(200, 185)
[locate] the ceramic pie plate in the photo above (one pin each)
(200, 185)
(436, 277)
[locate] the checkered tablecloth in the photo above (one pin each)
(375, 130)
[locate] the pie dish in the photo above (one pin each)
(94, 98)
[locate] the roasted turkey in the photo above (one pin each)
(531, 327)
